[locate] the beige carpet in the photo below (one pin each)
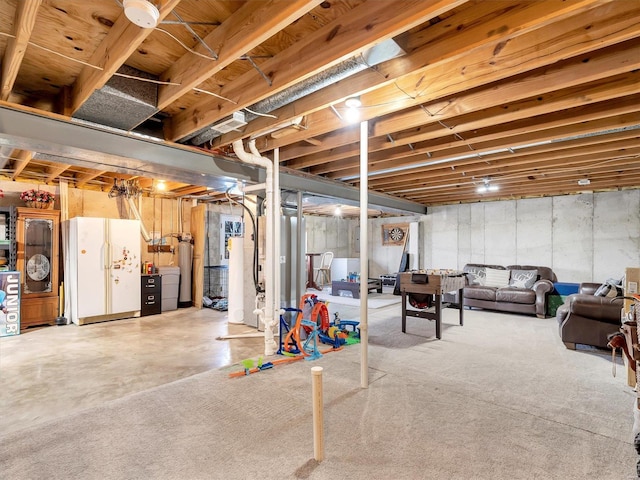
(374, 301)
(500, 398)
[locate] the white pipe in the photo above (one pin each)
(277, 270)
(364, 255)
(277, 201)
(266, 315)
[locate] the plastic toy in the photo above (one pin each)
(293, 348)
(249, 368)
(315, 309)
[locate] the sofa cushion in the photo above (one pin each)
(480, 293)
(523, 278)
(611, 288)
(497, 278)
(475, 275)
(544, 273)
(597, 308)
(516, 295)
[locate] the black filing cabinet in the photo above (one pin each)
(151, 290)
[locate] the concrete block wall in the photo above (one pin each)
(329, 234)
(585, 237)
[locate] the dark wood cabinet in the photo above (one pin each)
(151, 290)
(37, 245)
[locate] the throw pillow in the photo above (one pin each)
(523, 278)
(611, 288)
(475, 275)
(497, 278)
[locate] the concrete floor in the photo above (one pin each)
(49, 372)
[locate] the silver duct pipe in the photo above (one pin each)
(136, 213)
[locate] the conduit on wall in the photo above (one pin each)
(270, 314)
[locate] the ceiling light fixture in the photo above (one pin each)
(584, 181)
(338, 211)
(487, 187)
(142, 13)
(353, 102)
(352, 115)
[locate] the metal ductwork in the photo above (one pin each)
(377, 54)
(122, 102)
(286, 96)
(72, 143)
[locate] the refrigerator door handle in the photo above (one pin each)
(107, 255)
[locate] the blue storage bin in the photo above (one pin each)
(564, 289)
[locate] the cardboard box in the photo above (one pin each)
(631, 285)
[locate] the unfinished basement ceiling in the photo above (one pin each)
(532, 98)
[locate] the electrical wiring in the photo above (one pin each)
(259, 114)
(190, 50)
(214, 95)
(118, 74)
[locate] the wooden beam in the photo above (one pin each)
(517, 168)
(189, 190)
(88, 176)
(25, 19)
(539, 155)
(533, 188)
(248, 27)
(122, 40)
(462, 33)
(54, 171)
(345, 37)
(454, 76)
(418, 156)
(23, 158)
(486, 114)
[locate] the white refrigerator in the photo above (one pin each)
(103, 279)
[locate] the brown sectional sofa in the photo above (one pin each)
(527, 290)
(588, 319)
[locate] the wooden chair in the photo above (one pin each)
(323, 272)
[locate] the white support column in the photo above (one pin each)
(364, 255)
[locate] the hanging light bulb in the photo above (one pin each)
(353, 104)
(352, 115)
(487, 187)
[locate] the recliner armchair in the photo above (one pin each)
(587, 319)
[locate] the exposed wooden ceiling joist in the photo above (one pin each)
(534, 93)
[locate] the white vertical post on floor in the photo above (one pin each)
(364, 255)
(318, 413)
(299, 263)
(277, 273)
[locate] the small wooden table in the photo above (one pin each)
(311, 283)
(430, 284)
(354, 287)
